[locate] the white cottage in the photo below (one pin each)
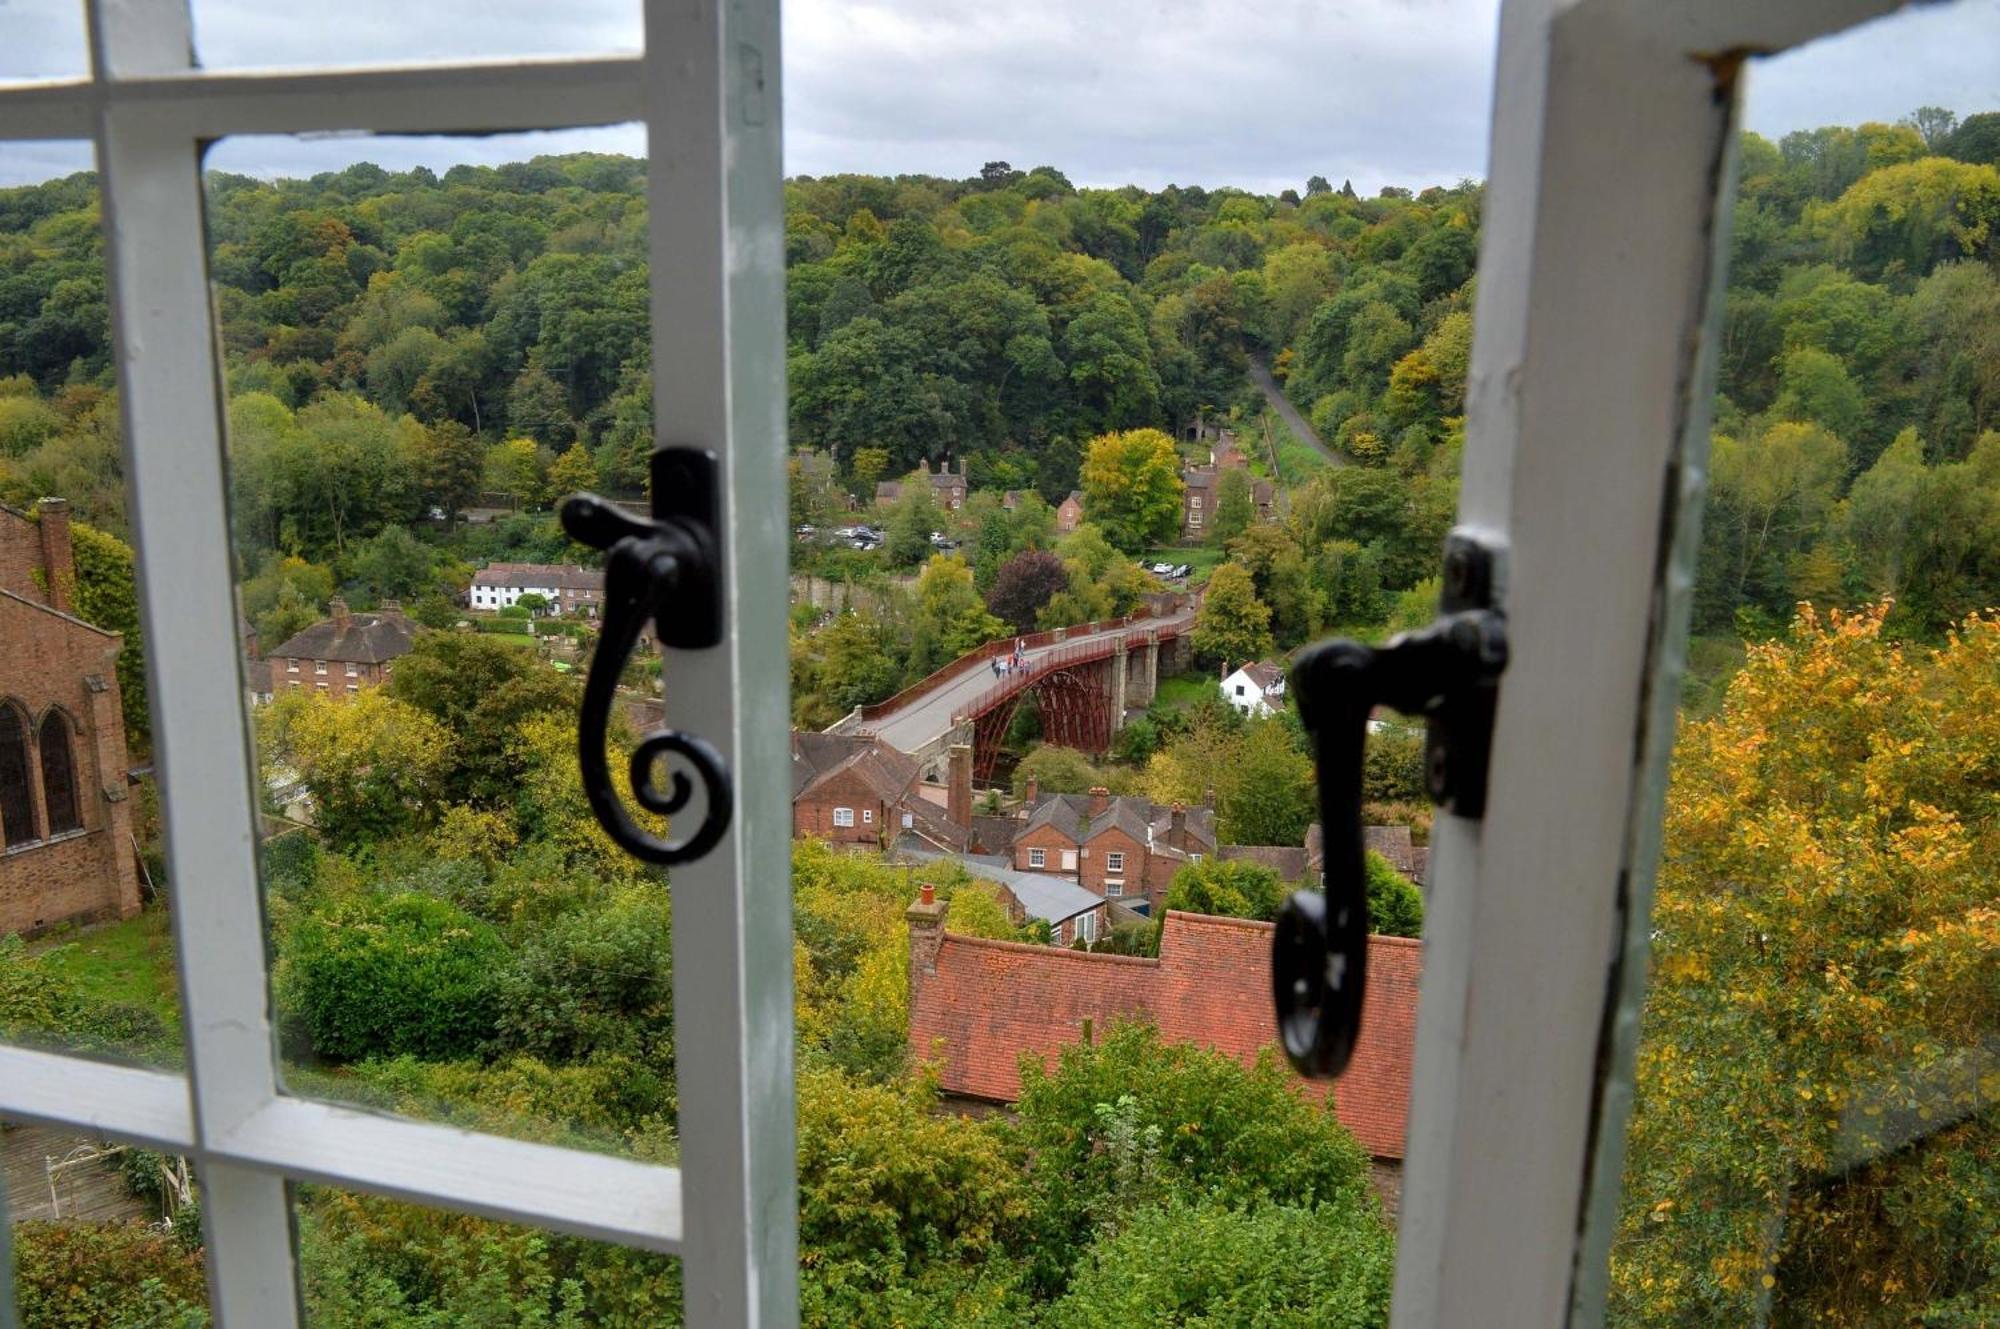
(1256, 689)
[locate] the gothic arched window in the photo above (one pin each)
(17, 803)
(59, 798)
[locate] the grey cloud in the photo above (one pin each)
(1111, 91)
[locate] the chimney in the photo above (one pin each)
(926, 920)
(58, 561)
(391, 609)
(958, 799)
(961, 467)
(336, 609)
(1208, 797)
(1100, 799)
(1032, 791)
(1179, 821)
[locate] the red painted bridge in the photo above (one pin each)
(1083, 678)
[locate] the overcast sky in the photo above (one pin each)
(1111, 91)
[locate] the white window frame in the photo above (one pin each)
(1114, 860)
(843, 818)
(707, 91)
(1069, 860)
(1606, 223)
(868, 816)
(1114, 888)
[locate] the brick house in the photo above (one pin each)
(1069, 513)
(1199, 486)
(343, 653)
(855, 790)
(573, 592)
(948, 487)
(977, 1007)
(1126, 849)
(65, 823)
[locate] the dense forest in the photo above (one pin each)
(457, 939)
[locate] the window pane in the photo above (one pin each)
(960, 578)
(1814, 1129)
(233, 34)
(363, 1259)
(42, 39)
(103, 1234)
(423, 357)
(86, 951)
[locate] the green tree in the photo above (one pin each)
(912, 519)
(371, 763)
(480, 691)
(1060, 770)
(951, 619)
(1234, 508)
(1395, 905)
(572, 473)
(452, 464)
(1268, 794)
(1233, 888)
(1132, 487)
(394, 564)
(1233, 625)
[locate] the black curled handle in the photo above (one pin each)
(662, 572)
(1446, 672)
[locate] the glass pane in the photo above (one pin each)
(103, 1234)
(86, 949)
(230, 34)
(421, 361)
(42, 39)
(366, 1261)
(1815, 1126)
(1045, 806)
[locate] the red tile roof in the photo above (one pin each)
(989, 1002)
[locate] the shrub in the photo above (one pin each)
(106, 1276)
(1195, 1263)
(1392, 770)
(383, 975)
(1241, 1135)
(1395, 906)
(594, 981)
(1233, 889)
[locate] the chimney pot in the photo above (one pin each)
(336, 609)
(1100, 799)
(926, 894)
(1208, 797)
(1033, 789)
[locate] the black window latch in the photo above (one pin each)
(666, 571)
(1448, 673)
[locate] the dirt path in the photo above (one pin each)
(1260, 374)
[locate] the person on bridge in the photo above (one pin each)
(996, 666)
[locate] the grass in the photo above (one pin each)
(1297, 460)
(1202, 558)
(523, 640)
(1184, 690)
(131, 961)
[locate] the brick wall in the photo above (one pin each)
(21, 557)
(1092, 869)
(813, 814)
(48, 661)
(1051, 842)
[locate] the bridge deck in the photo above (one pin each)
(927, 718)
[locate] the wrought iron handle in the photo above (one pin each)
(1447, 672)
(664, 571)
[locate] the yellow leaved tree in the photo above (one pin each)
(1815, 1133)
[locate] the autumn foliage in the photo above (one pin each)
(1817, 1037)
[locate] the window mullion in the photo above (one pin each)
(717, 260)
(1607, 189)
(170, 395)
